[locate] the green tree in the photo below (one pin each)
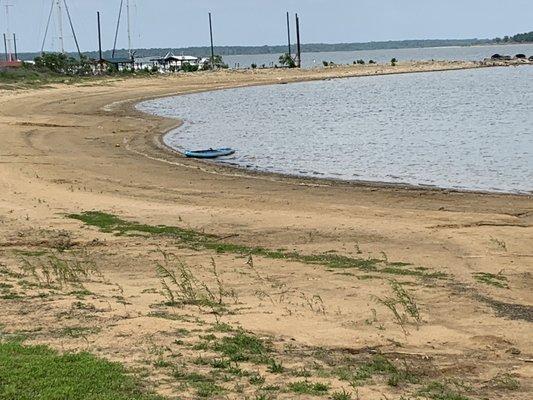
(286, 60)
(218, 63)
(63, 64)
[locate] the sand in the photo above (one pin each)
(70, 149)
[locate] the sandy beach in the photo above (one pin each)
(464, 259)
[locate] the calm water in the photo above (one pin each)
(470, 130)
(474, 53)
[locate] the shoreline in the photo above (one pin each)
(326, 181)
(84, 180)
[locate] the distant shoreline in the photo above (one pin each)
(229, 51)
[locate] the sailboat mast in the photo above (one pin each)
(129, 26)
(9, 52)
(60, 26)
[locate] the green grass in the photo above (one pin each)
(487, 278)
(243, 347)
(196, 240)
(204, 385)
(306, 387)
(344, 395)
(378, 365)
(37, 372)
(441, 391)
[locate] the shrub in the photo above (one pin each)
(287, 60)
(63, 64)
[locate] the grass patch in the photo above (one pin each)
(441, 391)
(37, 372)
(204, 385)
(243, 347)
(306, 387)
(344, 395)
(496, 280)
(78, 332)
(112, 224)
(505, 382)
(378, 365)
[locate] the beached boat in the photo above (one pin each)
(210, 153)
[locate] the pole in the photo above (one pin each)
(212, 46)
(15, 45)
(9, 54)
(299, 46)
(60, 26)
(5, 47)
(118, 26)
(289, 33)
(99, 38)
(129, 27)
(72, 28)
(47, 26)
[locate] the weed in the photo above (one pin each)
(205, 385)
(306, 387)
(220, 363)
(499, 243)
(344, 395)
(57, 269)
(207, 390)
(222, 327)
(275, 367)
(78, 332)
(496, 280)
(441, 391)
(181, 287)
(505, 382)
(402, 305)
(256, 379)
(242, 347)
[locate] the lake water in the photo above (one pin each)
(309, 60)
(469, 129)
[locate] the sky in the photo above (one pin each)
(183, 23)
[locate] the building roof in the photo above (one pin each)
(172, 57)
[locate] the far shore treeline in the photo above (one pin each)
(309, 48)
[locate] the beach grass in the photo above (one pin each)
(198, 240)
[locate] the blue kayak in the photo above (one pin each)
(210, 153)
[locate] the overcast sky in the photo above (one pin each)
(182, 23)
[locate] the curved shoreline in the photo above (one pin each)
(325, 181)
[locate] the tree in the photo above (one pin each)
(286, 60)
(218, 63)
(188, 67)
(63, 64)
(393, 62)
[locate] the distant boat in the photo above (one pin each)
(210, 153)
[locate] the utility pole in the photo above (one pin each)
(212, 46)
(298, 43)
(289, 33)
